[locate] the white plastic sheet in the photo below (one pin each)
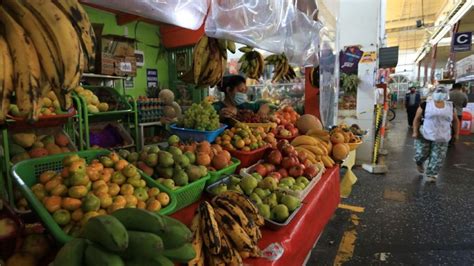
(275, 26)
(184, 13)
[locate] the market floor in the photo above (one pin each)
(405, 221)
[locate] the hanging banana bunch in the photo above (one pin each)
(251, 63)
(314, 77)
(49, 43)
(283, 70)
(209, 62)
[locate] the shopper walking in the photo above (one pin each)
(432, 132)
(459, 99)
(412, 101)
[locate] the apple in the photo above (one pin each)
(310, 171)
(270, 167)
(288, 149)
(307, 163)
(275, 157)
(302, 157)
(288, 162)
(261, 170)
(293, 131)
(283, 172)
(275, 175)
(296, 171)
(282, 143)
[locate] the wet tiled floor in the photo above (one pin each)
(407, 221)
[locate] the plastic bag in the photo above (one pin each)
(184, 13)
(328, 83)
(275, 26)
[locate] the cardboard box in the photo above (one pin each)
(125, 66)
(116, 55)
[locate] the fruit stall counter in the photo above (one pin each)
(299, 237)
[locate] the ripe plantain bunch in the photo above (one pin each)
(209, 61)
(251, 63)
(44, 45)
(226, 230)
(283, 70)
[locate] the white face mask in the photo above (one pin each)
(240, 98)
(439, 96)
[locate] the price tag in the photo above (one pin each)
(125, 66)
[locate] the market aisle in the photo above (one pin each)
(407, 221)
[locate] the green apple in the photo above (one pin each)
(280, 213)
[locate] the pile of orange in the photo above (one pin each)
(242, 137)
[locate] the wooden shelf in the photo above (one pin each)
(99, 76)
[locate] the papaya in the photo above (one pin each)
(61, 139)
(38, 152)
(24, 139)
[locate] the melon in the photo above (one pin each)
(166, 96)
(169, 111)
(307, 122)
(340, 151)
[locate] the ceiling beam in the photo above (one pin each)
(401, 19)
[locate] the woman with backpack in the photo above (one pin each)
(432, 132)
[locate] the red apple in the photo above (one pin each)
(275, 157)
(310, 171)
(289, 126)
(288, 149)
(302, 157)
(296, 171)
(282, 143)
(283, 172)
(307, 163)
(261, 170)
(275, 175)
(293, 131)
(288, 162)
(270, 167)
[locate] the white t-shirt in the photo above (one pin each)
(437, 122)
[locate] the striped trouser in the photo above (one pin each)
(434, 152)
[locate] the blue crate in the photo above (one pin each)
(196, 135)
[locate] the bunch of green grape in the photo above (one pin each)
(200, 117)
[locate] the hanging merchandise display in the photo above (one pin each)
(188, 14)
(275, 26)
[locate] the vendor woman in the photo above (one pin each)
(236, 98)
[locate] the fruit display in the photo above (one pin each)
(283, 70)
(172, 167)
(209, 61)
(129, 237)
(81, 191)
(226, 230)
(201, 117)
(356, 130)
(38, 143)
(92, 101)
(213, 156)
(266, 193)
(45, 46)
(286, 115)
(286, 131)
(316, 146)
(251, 63)
(242, 137)
(49, 106)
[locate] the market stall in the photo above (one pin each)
(168, 165)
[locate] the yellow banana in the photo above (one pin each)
(200, 56)
(245, 204)
(231, 46)
(80, 20)
(65, 37)
(47, 51)
(317, 132)
(234, 231)
(222, 44)
(327, 161)
(6, 78)
(304, 140)
(197, 241)
(26, 66)
(209, 228)
(316, 150)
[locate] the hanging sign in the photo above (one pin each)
(349, 59)
(151, 78)
(461, 42)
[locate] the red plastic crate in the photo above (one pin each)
(248, 158)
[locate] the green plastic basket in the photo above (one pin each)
(188, 194)
(25, 174)
(217, 175)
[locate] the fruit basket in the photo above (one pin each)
(26, 174)
(196, 135)
(43, 121)
(301, 194)
(188, 194)
(216, 175)
(354, 145)
(247, 158)
(273, 225)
